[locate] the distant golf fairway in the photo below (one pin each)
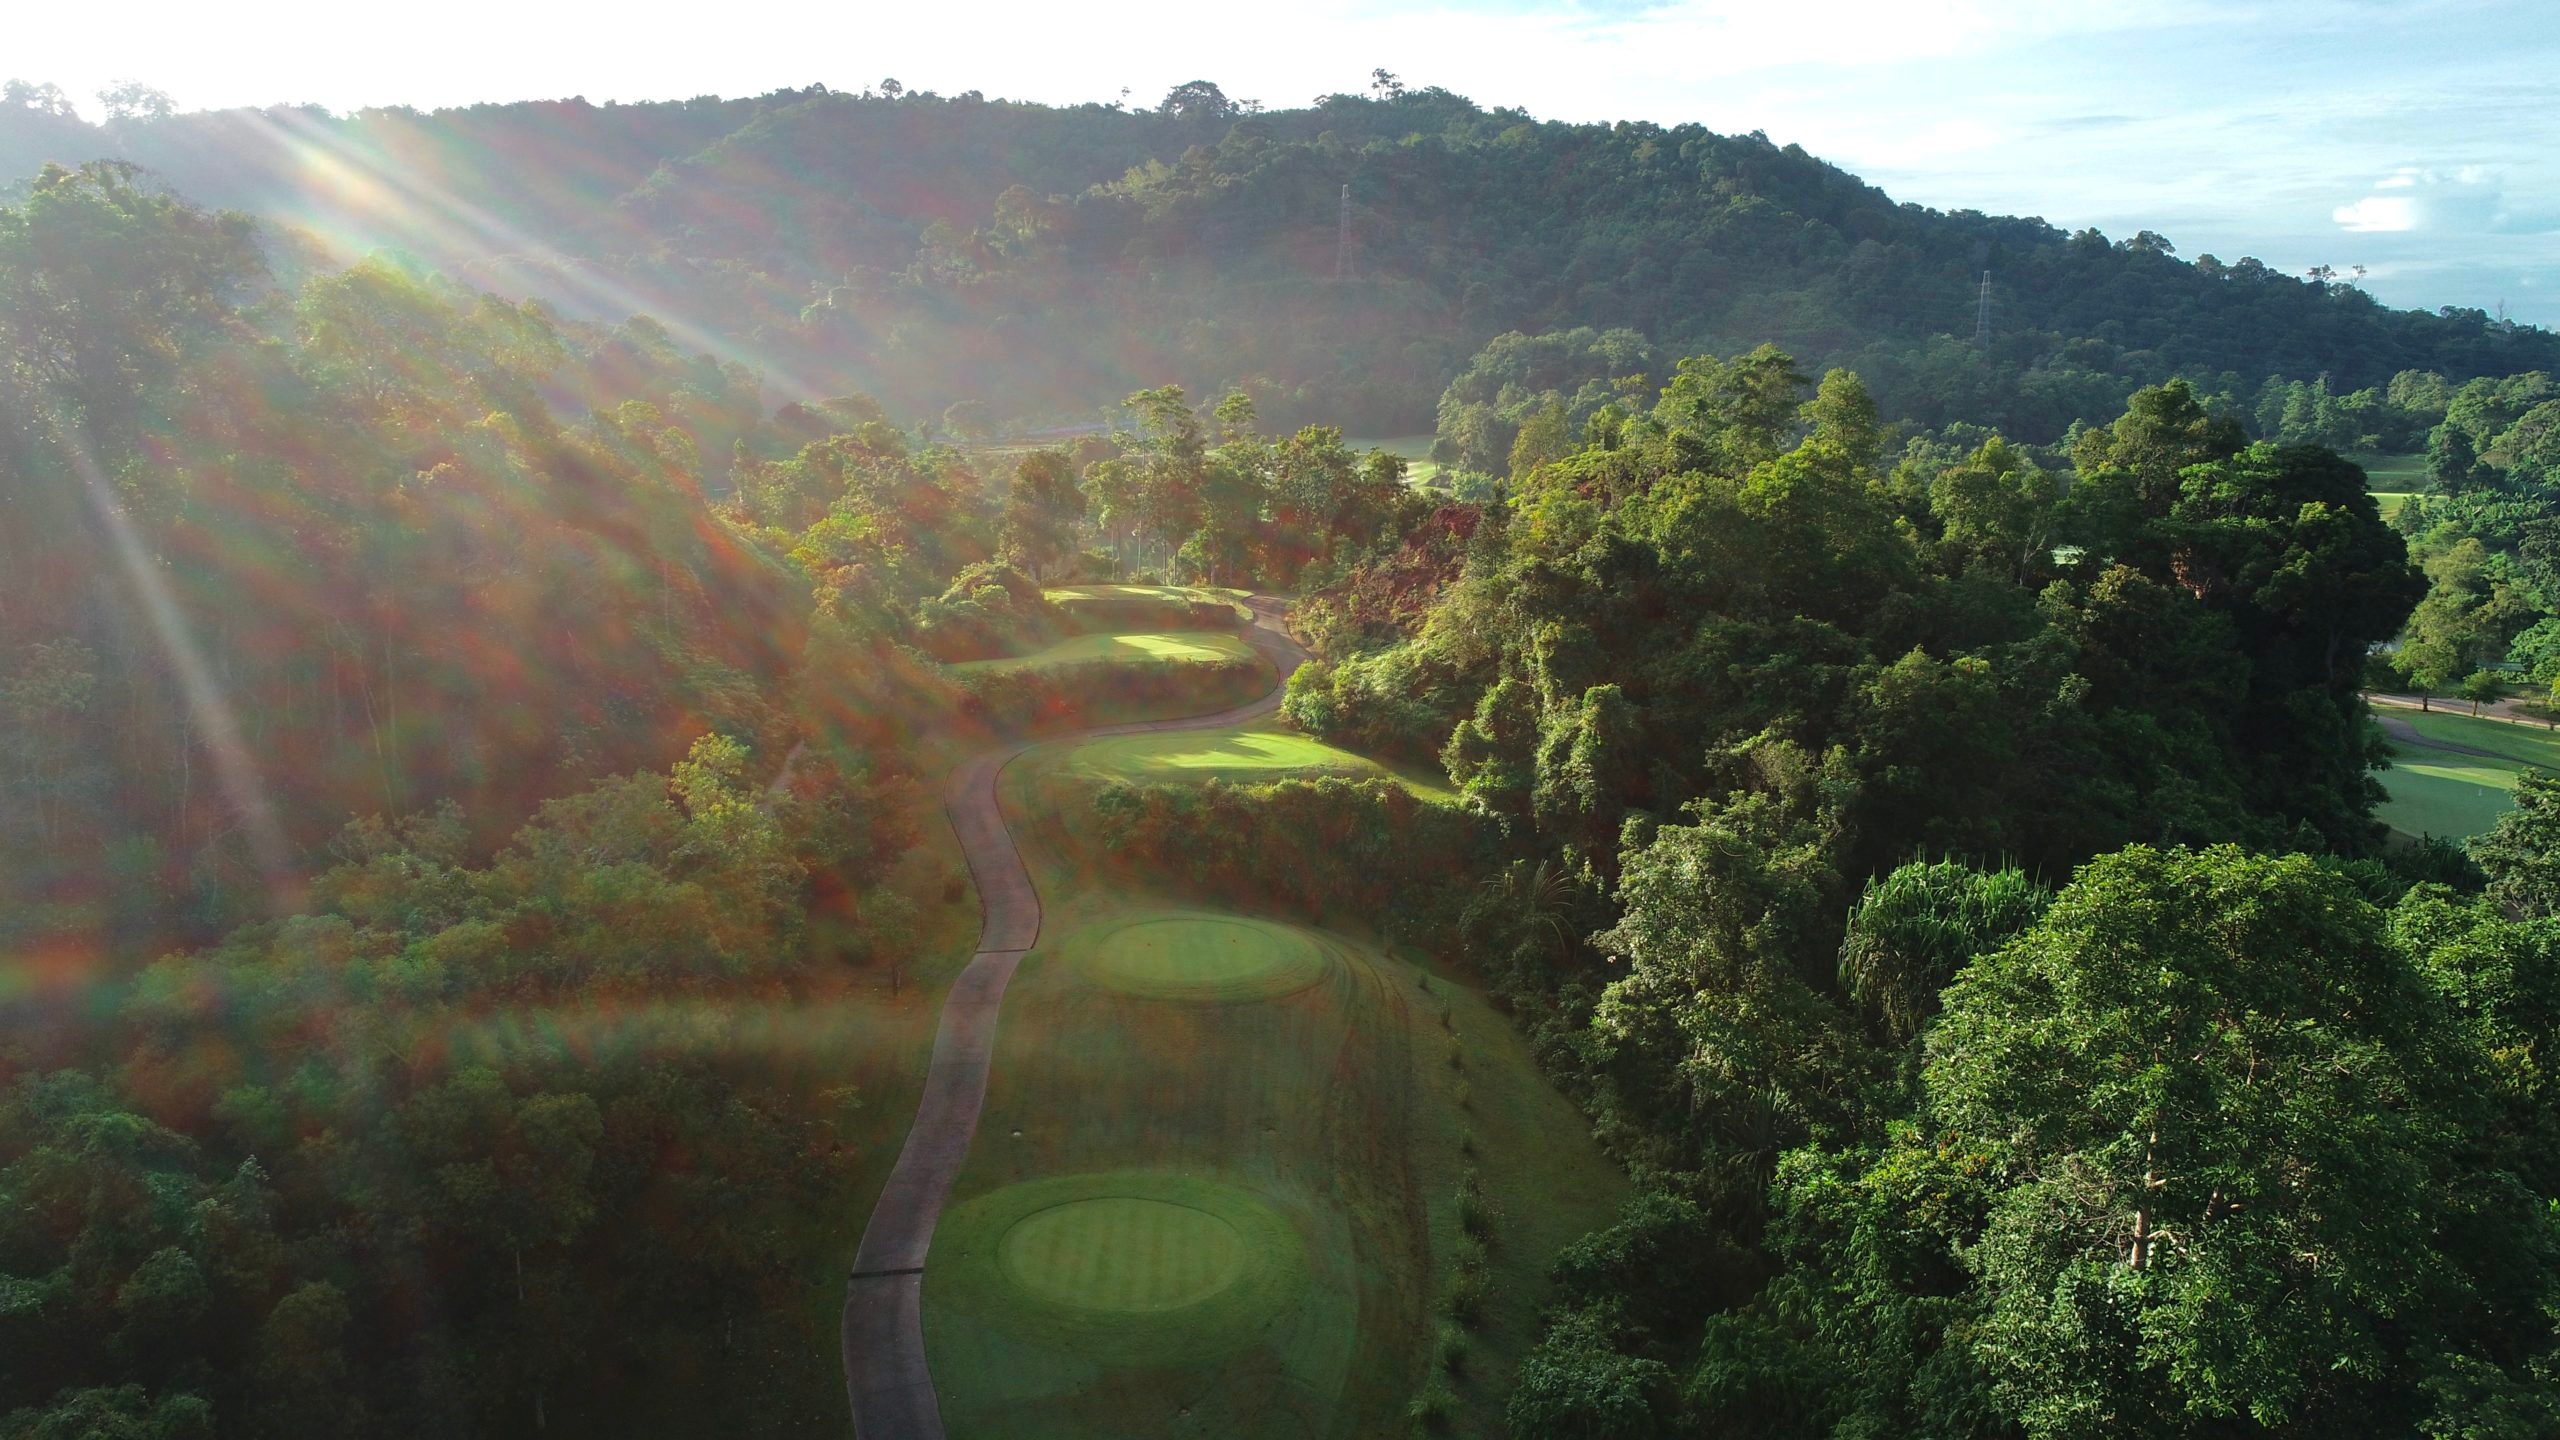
(2391, 479)
(2454, 797)
(1212, 1190)
(1165, 647)
(1183, 1218)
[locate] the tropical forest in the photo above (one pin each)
(857, 761)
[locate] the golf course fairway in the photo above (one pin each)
(1201, 1180)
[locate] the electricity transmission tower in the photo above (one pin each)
(1342, 240)
(1982, 315)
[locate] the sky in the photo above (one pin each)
(2417, 138)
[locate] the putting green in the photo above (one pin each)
(1199, 957)
(1125, 1267)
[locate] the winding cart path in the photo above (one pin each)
(885, 1376)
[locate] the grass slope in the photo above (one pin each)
(1245, 755)
(2392, 479)
(1213, 1191)
(2448, 795)
(1415, 450)
(1298, 1107)
(2458, 796)
(1167, 648)
(1148, 607)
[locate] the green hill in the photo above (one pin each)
(1047, 259)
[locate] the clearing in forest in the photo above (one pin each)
(1212, 1190)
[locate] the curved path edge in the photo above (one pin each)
(885, 1375)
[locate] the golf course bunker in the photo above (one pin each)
(1205, 958)
(1128, 1267)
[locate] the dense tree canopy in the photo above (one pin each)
(1048, 259)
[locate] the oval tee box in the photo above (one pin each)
(1124, 1267)
(1199, 957)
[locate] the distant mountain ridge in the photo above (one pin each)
(1047, 260)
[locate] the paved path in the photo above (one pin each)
(884, 1366)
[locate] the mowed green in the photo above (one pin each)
(1281, 1119)
(1192, 955)
(1140, 607)
(1244, 754)
(2526, 744)
(2435, 792)
(1414, 450)
(2452, 797)
(2392, 479)
(2391, 472)
(1160, 648)
(1123, 1253)
(1135, 1268)
(1211, 1186)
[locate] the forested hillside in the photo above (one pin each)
(1046, 261)
(482, 854)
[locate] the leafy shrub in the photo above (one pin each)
(1369, 847)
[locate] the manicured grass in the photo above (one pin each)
(1139, 1268)
(1140, 607)
(2529, 744)
(1174, 647)
(1192, 955)
(1280, 1071)
(2392, 479)
(1297, 1104)
(1245, 755)
(2391, 472)
(1419, 467)
(2459, 796)
(2451, 796)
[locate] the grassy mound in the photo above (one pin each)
(1157, 648)
(1148, 607)
(1199, 957)
(1244, 755)
(1157, 678)
(1235, 1219)
(1123, 1268)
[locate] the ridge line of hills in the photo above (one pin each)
(1047, 260)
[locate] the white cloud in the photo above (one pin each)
(2468, 198)
(2378, 214)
